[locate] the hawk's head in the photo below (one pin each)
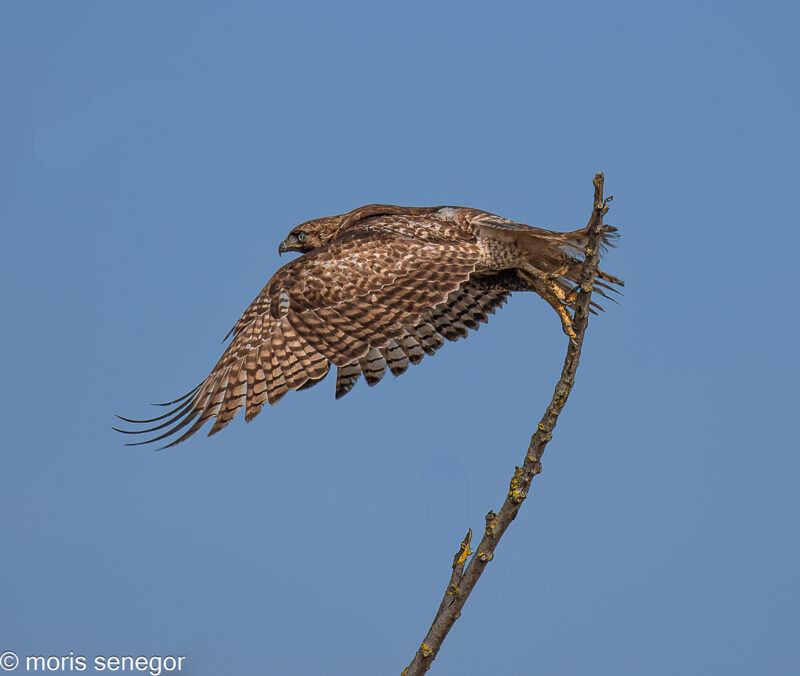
(310, 235)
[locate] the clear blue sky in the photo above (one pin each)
(154, 154)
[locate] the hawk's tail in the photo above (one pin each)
(569, 250)
(580, 238)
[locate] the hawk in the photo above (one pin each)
(376, 289)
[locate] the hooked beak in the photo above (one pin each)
(289, 244)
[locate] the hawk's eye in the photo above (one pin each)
(301, 237)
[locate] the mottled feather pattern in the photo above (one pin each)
(467, 307)
(384, 286)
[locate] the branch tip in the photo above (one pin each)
(491, 517)
(463, 551)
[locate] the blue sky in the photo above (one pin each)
(154, 154)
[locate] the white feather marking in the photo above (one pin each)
(283, 303)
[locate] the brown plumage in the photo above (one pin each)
(376, 289)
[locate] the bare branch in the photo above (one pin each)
(462, 581)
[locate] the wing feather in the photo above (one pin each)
(469, 305)
(375, 300)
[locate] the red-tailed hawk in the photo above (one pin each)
(377, 288)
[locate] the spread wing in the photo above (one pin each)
(372, 290)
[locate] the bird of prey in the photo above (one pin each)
(377, 288)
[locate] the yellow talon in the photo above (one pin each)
(566, 320)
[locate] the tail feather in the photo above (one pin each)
(580, 238)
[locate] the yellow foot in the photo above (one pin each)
(564, 315)
(548, 288)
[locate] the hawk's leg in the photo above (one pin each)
(563, 312)
(548, 287)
